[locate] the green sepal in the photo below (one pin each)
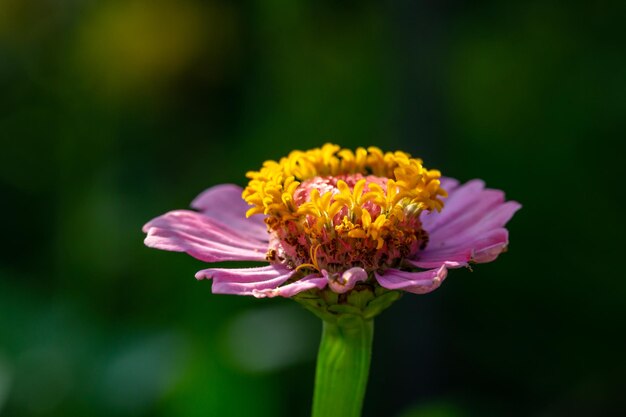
(344, 309)
(380, 303)
(366, 301)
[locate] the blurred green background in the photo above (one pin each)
(113, 112)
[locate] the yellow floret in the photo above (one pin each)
(410, 189)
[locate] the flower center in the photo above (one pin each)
(331, 209)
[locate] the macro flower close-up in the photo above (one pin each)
(311, 208)
(344, 233)
(330, 219)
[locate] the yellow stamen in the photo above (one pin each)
(313, 256)
(407, 190)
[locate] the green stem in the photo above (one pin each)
(343, 365)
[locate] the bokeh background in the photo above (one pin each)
(113, 112)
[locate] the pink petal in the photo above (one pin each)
(469, 228)
(347, 280)
(289, 290)
(224, 204)
(478, 220)
(416, 282)
(202, 238)
(459, 199)
(246, 281)
(199, 225)
(488, 253)
(449, 184)
(483, 248)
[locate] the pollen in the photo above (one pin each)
(332, 208)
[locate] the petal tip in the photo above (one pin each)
(269, 293)
(346, 281)
(200, 275)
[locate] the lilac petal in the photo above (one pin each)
(416, 282)
(488, 253)
(469, 228)
(307, 283)
(483, 248)
(225, 204)
(246, 281)
(197, 224)
(347, 280)
(459, 199)
(476, 222)
(448, 184)
(202, 238)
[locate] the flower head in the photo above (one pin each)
(331, 221)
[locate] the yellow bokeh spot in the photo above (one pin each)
(142, 47)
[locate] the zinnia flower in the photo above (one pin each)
(329, 219)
